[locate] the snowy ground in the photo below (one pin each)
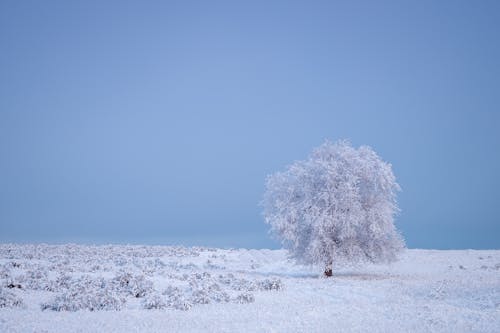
(73, 288)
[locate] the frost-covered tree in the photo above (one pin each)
(336, 206)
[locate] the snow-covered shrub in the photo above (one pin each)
(83, 293)
(190, 266)
(35, 280)
(5, 272)
(338, 205)
(154, 301)
(210, 265)
(239, 284)
(243, 284)
(220, 296)
(183, 305)
(135, 285)
(12, 282)
(8, 299)
(92, 300)
(226, 279)
(62, 282)
(120, 260)
(245, 298)
(172, 291)
(204, 289)
(74, 275)
(15, 264)
(175, 298)
(200, 296)
(216, 292)
(200, 276)
(236, 283)
(270, 284)
(86, 282)
(150, 267)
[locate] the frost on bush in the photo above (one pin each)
(243, 284)
(8, 299)
(200, 296)
(183, 305)
(199, 292)
(94, 300)
(245, 298)
(11, 283)
(36, 279)
(216, 293)
(273, 284)
(154, 301)
(63, 281)
(4, 272)
(84, 293)
(135, 285)
(247, 285)
(120, 260)
(205, 289)
(220, 296)
(237, 284)
(72, 274)
(226, 279)
(210, 265)
(175, 298)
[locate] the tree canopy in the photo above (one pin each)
(337, 205)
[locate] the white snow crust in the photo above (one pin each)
(122, 288)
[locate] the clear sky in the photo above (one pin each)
(157, 122)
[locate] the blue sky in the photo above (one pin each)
(157, 122)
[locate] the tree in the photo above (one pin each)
(338, 205)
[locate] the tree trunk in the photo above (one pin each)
(328, 269)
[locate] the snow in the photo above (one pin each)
(339, 204)
(118, 288)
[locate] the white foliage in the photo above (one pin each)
(90, 299)
(84, 293)
(427, 291)
(175, 298)
(245, 298)
(8, 299)
(134, 285)
(94, 278)
(273, 284)
(338, 205)
(154, 301)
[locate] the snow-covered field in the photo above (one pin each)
(117, 288)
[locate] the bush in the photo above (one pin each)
(75, 300)
(9, 300)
